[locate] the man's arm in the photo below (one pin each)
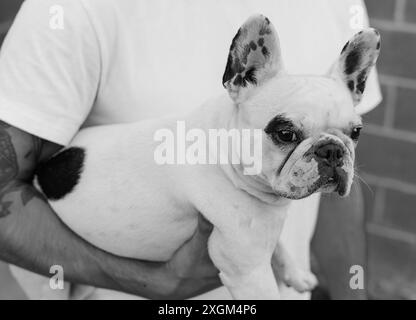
(33, 237)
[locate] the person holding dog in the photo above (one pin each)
(110, 62)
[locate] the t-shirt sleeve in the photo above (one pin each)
(49, 69)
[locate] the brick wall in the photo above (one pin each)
(387, 151)
(387, 154)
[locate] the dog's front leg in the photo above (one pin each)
(247, 274)
(287, 271)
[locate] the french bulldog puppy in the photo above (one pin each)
(107, 187)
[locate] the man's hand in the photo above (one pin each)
(33, 237)
(192, 264)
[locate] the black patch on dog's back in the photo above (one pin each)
(58, 176)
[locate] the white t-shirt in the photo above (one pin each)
(128, 60)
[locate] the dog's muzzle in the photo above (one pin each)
(330, 157)
(316, 165)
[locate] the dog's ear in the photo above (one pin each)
(254, 57)
(357, 58)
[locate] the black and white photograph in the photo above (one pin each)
(209, 150)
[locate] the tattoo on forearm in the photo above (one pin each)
(8, 166)
(9, 170)
(8, 158)
(4, 124)
(36, 150)
(5, 208)
(27, 193)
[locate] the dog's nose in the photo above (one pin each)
(331, 153)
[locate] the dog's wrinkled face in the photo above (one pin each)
(310, 136)
(309, 122)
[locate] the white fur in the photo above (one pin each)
(128, 205)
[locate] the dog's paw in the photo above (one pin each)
(300, 280)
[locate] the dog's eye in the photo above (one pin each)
(355, 133)
(287, 136)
